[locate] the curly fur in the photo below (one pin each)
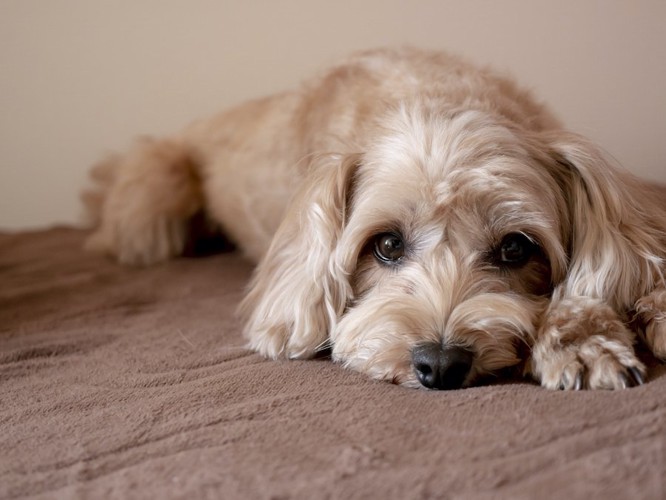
(451, 157)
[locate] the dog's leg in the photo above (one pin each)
(583, 343)
(144, 201)
(651, 312)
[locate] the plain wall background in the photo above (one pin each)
(80, 78)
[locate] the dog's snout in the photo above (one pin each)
(441, 367)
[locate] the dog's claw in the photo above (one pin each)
(564, 382)
(566, 385)
(636, 376)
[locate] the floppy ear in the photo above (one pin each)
(297, 292)
(614, 241)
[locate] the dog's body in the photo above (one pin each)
(423, 219)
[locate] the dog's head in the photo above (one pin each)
(429, 259)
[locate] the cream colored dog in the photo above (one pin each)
(425, 220)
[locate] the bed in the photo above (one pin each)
(135, 383)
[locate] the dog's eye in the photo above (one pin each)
(516, 249)
(389, 247)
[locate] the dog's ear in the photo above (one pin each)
(298, 292)
(613, 238)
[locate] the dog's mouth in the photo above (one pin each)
(439, 366)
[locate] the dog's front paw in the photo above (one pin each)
(651, 311)
(276, 341)
(583, 344)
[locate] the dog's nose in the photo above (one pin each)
(441, 367)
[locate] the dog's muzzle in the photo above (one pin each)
(441, 367)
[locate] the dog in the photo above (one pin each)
(425, 221)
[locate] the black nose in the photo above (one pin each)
(441, 367)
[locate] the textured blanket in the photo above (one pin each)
(135, 383)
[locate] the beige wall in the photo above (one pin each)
(79, 78)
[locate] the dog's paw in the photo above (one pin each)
(277, 342)
(144, 201)
(655, 334)
(137, 241)
(651, 311)
(584, 345)
(594, 363)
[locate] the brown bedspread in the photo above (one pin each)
(134, 383)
